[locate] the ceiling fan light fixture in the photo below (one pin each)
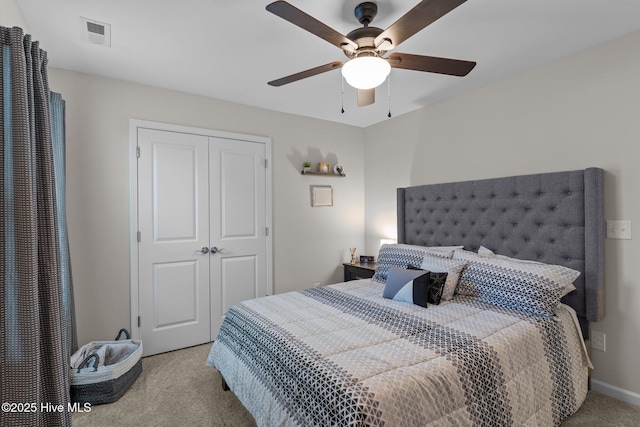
(366, 72)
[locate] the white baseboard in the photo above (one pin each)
(615, 392)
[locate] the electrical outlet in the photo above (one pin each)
(618, 229)
(598, 341)
(315, 285)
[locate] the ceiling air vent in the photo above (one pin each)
(95, 32)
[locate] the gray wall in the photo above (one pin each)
(309, 243)
(574, 113)
(10, 15)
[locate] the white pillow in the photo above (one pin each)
(488, 253)
(485, 252)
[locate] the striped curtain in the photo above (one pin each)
(37, 321)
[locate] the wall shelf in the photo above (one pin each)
(337, 175)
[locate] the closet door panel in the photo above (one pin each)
(238, 224)
(173, 209)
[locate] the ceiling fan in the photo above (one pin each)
(366, 46)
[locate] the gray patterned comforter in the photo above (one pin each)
(343, 355)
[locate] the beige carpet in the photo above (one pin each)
(178, 389)
(174, 389)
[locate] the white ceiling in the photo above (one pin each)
(230, 49)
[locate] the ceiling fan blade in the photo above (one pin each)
(366, 97)
(431, 64)
(307, 73)
(423, 14)
(294, 15)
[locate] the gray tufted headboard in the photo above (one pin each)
(555, 218)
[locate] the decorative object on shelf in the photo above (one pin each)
(306, 167)
(321, 195)
(324, 167)
(366, 259)
(353, 255)
(338, 169)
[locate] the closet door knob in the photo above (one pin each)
(204, 250)
(215, 250)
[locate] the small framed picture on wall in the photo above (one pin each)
(321, 196)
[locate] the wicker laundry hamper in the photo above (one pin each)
(102, 371)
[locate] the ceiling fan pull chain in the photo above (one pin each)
(389, 93)
(342, 94)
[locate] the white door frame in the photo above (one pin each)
(134, 125)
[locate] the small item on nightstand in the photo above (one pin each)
(353, 255)
(366, 259)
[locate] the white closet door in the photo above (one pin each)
(173, 209)
(202, 213)
(238, 224)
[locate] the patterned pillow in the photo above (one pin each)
(534, 288)
(486, 253)
(436, 286)
(446, 251)
(414, 285)
(452, 267)
(401, 255)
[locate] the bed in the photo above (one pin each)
(504, 346)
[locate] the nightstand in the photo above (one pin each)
(358, 270)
